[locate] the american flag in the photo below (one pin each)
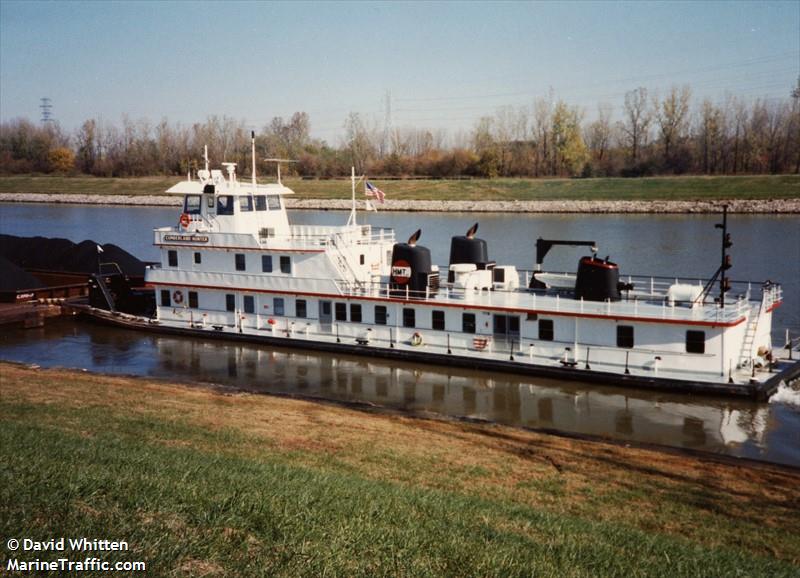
(372, 191)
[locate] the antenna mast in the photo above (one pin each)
(205, 156)
(253, 154)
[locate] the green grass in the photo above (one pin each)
(655, 188)
(200, 483)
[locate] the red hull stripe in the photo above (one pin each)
(219, 248)
(333, 297)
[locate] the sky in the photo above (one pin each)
(440, 65)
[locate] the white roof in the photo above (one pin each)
(224, 188)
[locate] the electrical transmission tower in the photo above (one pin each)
(47, 114)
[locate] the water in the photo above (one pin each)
(764, 247)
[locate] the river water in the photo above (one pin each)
(765, 247)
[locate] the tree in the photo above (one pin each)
(62, 160)
(672, 116)
(637, 121)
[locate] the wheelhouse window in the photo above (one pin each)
(172, 258)
(192, 204)
(468, 322)
(437, 320)
(380, 315)
(409, 317)
(166, 300)
(249, 304)
(625, 336)
(230, 302)
(225, 205)
(341, 312)
(355, 312)
(198, 257)
(193, 301)
(695, 342)
(240, 262)
(278, 306)
(261, 202)
(286, 264)
(274, 202)
(300, 308)
(266, 263)
(246, 204)
(546, 330)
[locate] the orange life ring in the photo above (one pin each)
(177, 297)
(185, 220)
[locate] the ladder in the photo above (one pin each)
(746, 355)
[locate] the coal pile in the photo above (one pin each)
(65, 256)
(14, 278)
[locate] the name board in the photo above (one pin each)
(187, 238)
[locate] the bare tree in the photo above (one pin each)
(672, 116)
(637, 121)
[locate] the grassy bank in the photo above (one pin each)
(656, 188)
(206, 483)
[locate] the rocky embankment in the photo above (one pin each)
(763, 206)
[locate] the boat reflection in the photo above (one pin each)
(696, 422)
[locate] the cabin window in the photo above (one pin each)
(355, 313)
(506, 325)
(230, 302)
(210, 201)
(193, 302)
(437, 320)
(246, 204)
(409, 317)
(380, 315)
(546, 331)
(286, 264)
(274, 202)
(266, 263)
(261, 203)
(225, 205)
(361, 259)
(277, 306)
(300, 308)
(166, 301)
(172, 258)
(192, 204)
(625, 336)
(468, 322)
(198, 258)
(695, 342)
(240, 263)
(249, 304)
(341, 312)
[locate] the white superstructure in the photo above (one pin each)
(235, 265)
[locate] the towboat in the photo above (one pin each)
(233, 266)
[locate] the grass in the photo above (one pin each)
(205, 483)
(655, 188)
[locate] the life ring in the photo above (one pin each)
(177, 297)
(416, 340)
(185, 220)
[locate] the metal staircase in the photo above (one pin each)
(341, 262)
(746, 354)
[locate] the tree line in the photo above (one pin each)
(652, 134)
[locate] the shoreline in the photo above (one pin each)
(735, 206)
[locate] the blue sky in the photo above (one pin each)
(445, 64)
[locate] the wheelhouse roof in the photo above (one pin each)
(240, 188)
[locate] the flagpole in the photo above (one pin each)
(352, 219)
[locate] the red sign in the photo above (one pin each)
(401, 271)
